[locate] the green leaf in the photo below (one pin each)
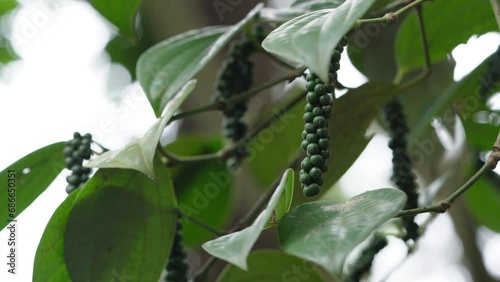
(7, 6)
(272, 266)
(121, 225)
(481, 129)
(351, 116)
(121, 13)
(204, 189)
(165, 67)
(139, 153)
(49, 265)
(284, 203)
(311, 38)
(444, 30)
(317, 4)
(235, 247)
(33, 174)
(297, 9)
(325, 233)
(482, 200)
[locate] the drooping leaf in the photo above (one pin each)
(482, 200)
(298, 8)
(121, 13)
(49, 262)
(139, 153)
(165, 67)
(284, 203)
(204, 190)
(325, 233)
(311, 38)
(444, 30)
(272, 266)
(121, 225)
(351, 116)
(235, 247)
(32, 175)
(317, 4)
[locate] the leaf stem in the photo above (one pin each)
(221, 105)
(495, 5)
(175, 159)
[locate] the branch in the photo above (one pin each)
(390, 17)
(221, 105)
(445, 204)
(423, 34)
(201, 223)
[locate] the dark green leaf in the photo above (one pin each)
(204, 190)
(139, 153)
(165, 67)
(310, 39)
(235, 247)
(33, 174)
(445, 30)
(272, 266)
(49, 265)
(284, 203)
(325, 233)
(121, 13)
(352, 114)
(121, 225)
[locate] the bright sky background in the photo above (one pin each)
(61, 86)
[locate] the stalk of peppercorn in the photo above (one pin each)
(316, 139)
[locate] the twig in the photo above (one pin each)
(445, 204)
(221, 105)
(391, 17)
(201, 223)
(423, 34)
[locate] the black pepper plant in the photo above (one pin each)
(133, 218)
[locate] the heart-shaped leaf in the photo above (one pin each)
(325, 233)
(235, 247)
(272, 266)
(296, 9)
(31, 175)
(165, 67)
(311, 38)
(139, 153)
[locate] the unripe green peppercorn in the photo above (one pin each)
(320, 89)
(306, 164)
(310, 85)
(319, 121)
(310, 128)
(317, 160)
(315, 173)
(311, 190)
(324, 143)
(312, 98)
(305, 179)
(322, 133)
(312, 149)
(312, 138)
(308, 117)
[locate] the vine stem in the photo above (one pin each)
(221, 105)
(495, 5)
(445, 204)
(201, 223)
(423, 35)
(174, 159)
(391, 17)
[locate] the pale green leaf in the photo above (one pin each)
(235, 247)
(165, 67)
(139, 153)
(325, 233)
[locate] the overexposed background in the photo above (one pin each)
(62, 85)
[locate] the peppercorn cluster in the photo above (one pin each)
(365, 259)
(177, 267)
(235, 78)
(75, 151)
(402, 173)
(316, 139)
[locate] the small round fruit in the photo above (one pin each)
(322, 133)
(324, 143)
(306, 165)
(313, 149)
(308, 117)
(309, 107)
(325, 100)
(310, 128)
(305, 179)
(317, 111)
(67, 151)
(325, 154)
(311, 77)
(70, 162)
(319, 181)
(86, 170)
(73, 179)
(317, 160)
(315, 173)
(324, 168)
(312, 98)
(87, 136)
(310, 85)
(304, 134)
(336, 56)
(70, 188)
(312, 138)
(304, 145)
(320, 89)
(311, 190)
(77, 135)
(77, 169)
(319, 121)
